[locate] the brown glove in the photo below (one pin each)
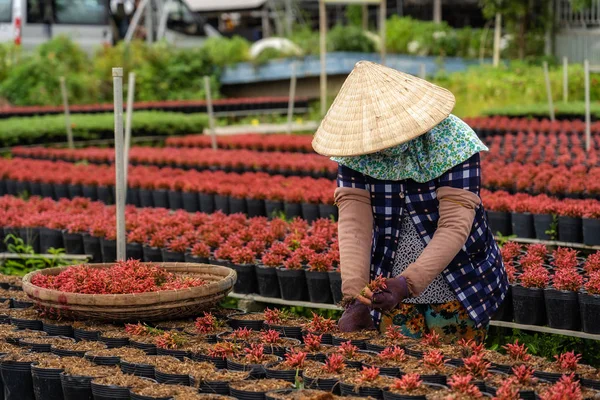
(355, 235)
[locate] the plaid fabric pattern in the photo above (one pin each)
(476, 274)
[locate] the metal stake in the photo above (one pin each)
(588, 117)
(497, 37)
(211, 117)
(63, 89)
(549, 91)
(119, 161)
(565, 79)
(128, 117)
(323, 54)
(292, 99)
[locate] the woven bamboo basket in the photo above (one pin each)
(151, 306)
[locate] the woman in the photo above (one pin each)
(409, 209)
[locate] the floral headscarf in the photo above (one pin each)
(422, 159)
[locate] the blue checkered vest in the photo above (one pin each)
(476, 274)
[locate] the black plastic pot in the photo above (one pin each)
(328, 211)
(61, 191)
(103, 360)
(436, 379)
(74, 190)
(175, 200)
(292, 284)
(547, 376)
(589, 305)
(189, 201)
(20, 304)
(73, 243)
(76, 387)
(237, 205)
(33, 324)
(335, 284)
(133, 196)
(528, 305)
(505, 311)
(246, 279)
(57, 330)
(105, 194)
(109, 392)
(268, 284)
(160, 198)
(68, 353)
(349, 390)
(562, 309)
(135, 251)
(114, 343)
(361, 344)
(91, 246)
(222, 203)
(590, 383)
(219, 363)
(172, 379)
(134, 396)
(390, 371)
(143, 370)
(318, 287)
(45, 188)
(22, 187)
(273, 208)
(89, 192)
(591, 231)
(310, 212)
(235, 323)
(246, 395)
(257, 371)
(146, 198)
(50, 238)
(18, 384)
(256, 207)
(189, 258)
(149, 348)
(214, 387)
(500, 222)
(178, 354)
(109, 250)
(570, 229)
(84, 334)
(206, 202)
(46, 383)
(328, 385)
(36, 189)
(292, 210)
(289, 375)
(172, 256)
(522, 225)
(151, 254)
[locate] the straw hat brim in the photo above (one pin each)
(377, 108)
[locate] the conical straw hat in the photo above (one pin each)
(377, 108)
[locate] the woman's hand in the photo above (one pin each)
(387, 296)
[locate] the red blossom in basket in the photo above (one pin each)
(510, 251)
(206, 324)
(255, 354)
(368, 374)
(293, 263)
(434, 359)
(463, 384)
(535, 277)
(592, 286)
(334, 364)
(312, 342)
(567, 388)
(565, 258)
(320, 324)
(295, 359)
(273, 316)
(393, 353)
(242, 256)
(271, 336)
(531, 261)
(517, 352)
(222, 350)
(378, 284)
(568, 361)
(393, 332)
(477, 366)
(407, 383)
(200, 250)
(508, 390)
(272, 260)
(348, 350)
(592, 263)
(432, 339)
(320, 263)
(241, 333)
(567, 279)
(524, 374)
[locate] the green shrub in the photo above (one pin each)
(307, 39)
(349, 38)
(51, 128)
(224, 51)
(569, 110)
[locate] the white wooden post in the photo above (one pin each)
(323, 54)
(437, 11)
(497, 37)
(422, 71)
(565, 79)
(149, 23)
(117, 74)
(292, 99)
(128, 117)
(211, 117)
(65, 98)
(588, 117)
(548, 91)
(382, 32)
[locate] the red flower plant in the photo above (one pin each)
(567, 388)
(510, 251)
(538, 249)
(320, 324)
(565, 257)
(293, 262)
(200, 250)
(463, 384)
(241, 333)
(320, 263)
(242, 256)
(170, 340)
(407, 383)
(477, 366)
(272, 260)
(222, 350)
(273, 316)
(255, 354)
(508, 390)
(567, 279)
(433, 359)
(270, 336)
(312, 342)
(393, 332)
(529, 261)
(378, 284)
(393, 353)
(295, 359)
(535, 277)
(592, 286)
(471, 346)
(334, 364)
(206, 324)
(568, 361)
(432, 339)
(368, 374)
(348, 350)
(524, 374)
(592, 263)
(517, 352)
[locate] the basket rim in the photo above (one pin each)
(224, 279)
